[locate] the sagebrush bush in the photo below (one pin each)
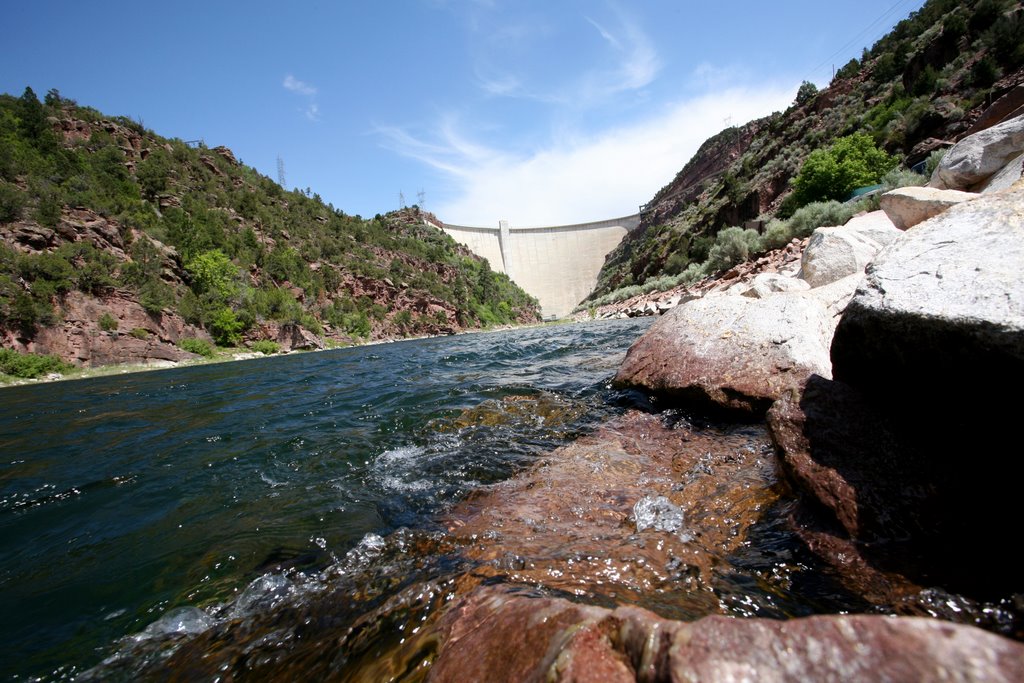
(197, 346)
(732, 245)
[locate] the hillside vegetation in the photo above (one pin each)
(101, 207)
(914, 92)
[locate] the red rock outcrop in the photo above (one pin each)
(140, 337)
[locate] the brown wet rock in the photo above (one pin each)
(570, 522)
(542, 409)
(498, 634)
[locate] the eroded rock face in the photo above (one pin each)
(977, 157)
(293, 337)
(908, 206)
(139, 337)
(732, 353)
(502, 634)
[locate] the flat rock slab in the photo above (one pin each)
(908, 206)
(501, 633)
(732, 353)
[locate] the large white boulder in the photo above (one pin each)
(977, 157)
(835, 253)
(942, 305)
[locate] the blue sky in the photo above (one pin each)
(540, 113)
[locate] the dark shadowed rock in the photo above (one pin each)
(502, 634)
(732, 353)
(836, 447)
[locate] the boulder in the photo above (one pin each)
(908, 206)
(836, 295)
(501, 633)
(766, 284)
(979, 156)
(852, 465)
(943, 308)
(834, 253)
(1005, 177)
(732, 353)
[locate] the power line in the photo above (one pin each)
(859, 36)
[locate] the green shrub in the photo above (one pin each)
(833, 173)
(932, 162)
(107, 322)
(225, 327)
(266, 347)
(139, 333)
(902, 177)
(30, 365)
(199, 347)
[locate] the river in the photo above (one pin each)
(125, 497)
(308, 516)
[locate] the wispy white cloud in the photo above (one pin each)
(639, 61)
(296, 86)
(629, 63)
(581, 177)
(312, 110)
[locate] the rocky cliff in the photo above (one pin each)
(946, 71)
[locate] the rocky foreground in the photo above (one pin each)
(879, 366)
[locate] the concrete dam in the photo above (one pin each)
(558, 265)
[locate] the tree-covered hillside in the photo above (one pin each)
(102, 207)
(913, 93)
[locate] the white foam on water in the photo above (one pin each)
(181, 620)
(659, 513)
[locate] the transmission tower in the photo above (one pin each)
(401, 199)
(280, 171)
(421, 197)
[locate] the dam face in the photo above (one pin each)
(558, 265)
